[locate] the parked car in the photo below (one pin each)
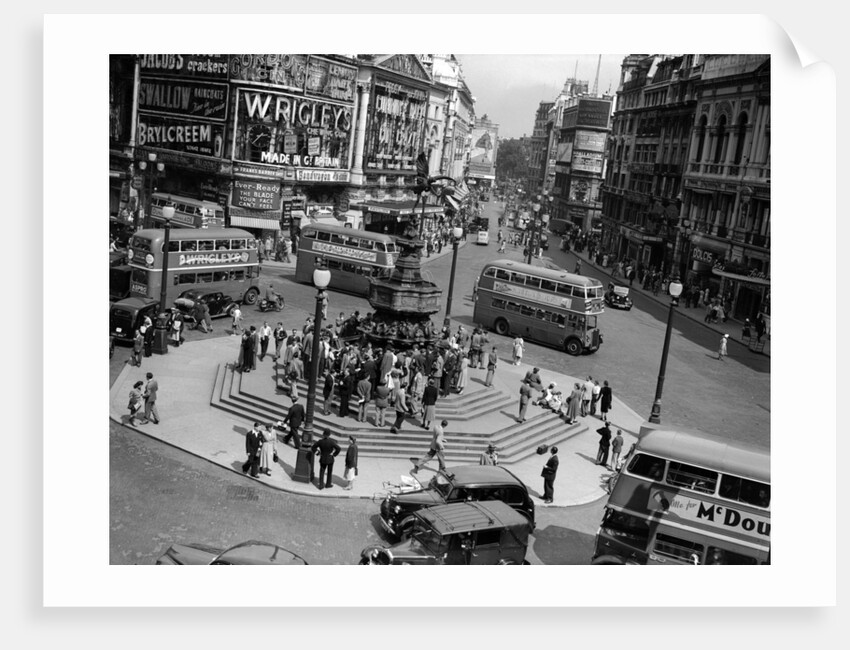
(482, 533)
(244, 553)
(218, 304)
(127, 315)
(617, 296)
(453, 485)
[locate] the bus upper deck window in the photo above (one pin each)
(173, 246)
(651, 467)
(391, 248)
(189, 245)
(222, 244)
(368, 244)
(252, 244)
(578, 292)
(206, 245)
(338, 239)
(491, 272)
(564, 289)
(548, 285)
(309, 234)
(238, 244)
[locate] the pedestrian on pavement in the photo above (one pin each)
(492, 361)
(550, 470)
(248, 349)
(402, 409)
(364, 394)
(206, 319)
(253, 444)
(294, 418)
(138, 348)
(746, 332)
(265, 336)
(136, 401)
(463, 374)
(151, 388)
(573, 404)
(594, 399)
(524, 398)
(489, 457)
(176, 334)
(417, 391)
(616, 448)
(382, 403)
(605, 397)
(586, 396)
(328, 391)
(279, 336)
(268, 450)
(346, 390)
(326, 449)
(721, 352)
(287, 249)
(438, 444)
(518, 349)
(577, 269)
(429, 402)
(350, 463)
(604, 445)
(761, 328)
(147, 331)
(237, 319)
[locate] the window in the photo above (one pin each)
(651, 467)
(532, 282)
(220, 276)
(237, 276)
(549, 285)
(206, 245)
(366, 244)
(691, 477)
(499, 303)
(565, 289)
(203, 277)
(744, 490)
(578, 292)
(173, 246)
(542, 314)
(527, 311)
(338, 239)
(513, 306)
(490, 273)
(677, 548)
(189, 246)
(309, 234)
(501, 274)
(488, 537)
(185, 278)
(717, 555)
(323, 236)
(222, 244)
(238, 244)
(558, 319)
(626, 528)
(349, 268)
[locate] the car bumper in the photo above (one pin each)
(388, 527)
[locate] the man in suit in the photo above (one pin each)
(524, 398)
(346, 389)
(150, 400)
(370, 370)
(429, 402)
(550, 469)
(438, 444)
(364, 394)
(326, 449)
(253, 443)
(294, 418)
(604, 445)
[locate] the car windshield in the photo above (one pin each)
(441, 484)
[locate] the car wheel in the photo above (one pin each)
(230, 311)
(502, 327)
(251, 296)
(573, 347)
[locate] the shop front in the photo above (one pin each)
(748, 292)
(705, 252)
(392, 217)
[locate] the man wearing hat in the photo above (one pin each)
(722, 351)
(489, 457)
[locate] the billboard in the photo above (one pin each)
(482, 158)
(396, 126)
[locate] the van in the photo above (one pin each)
(126, 316)
(483, 237)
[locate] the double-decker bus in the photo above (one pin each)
(549, 306)
(353, 256)
(212, 259)
(684, 497)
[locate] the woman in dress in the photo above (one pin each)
(519, 345)
(136, 401)
(417, 389)
(574, 402)
(268, 449)
(463, 374)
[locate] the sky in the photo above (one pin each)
(509, 87)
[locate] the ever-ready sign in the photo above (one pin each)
(256, 195)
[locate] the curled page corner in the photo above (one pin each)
(804, 55)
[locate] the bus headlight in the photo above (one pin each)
(149, 259)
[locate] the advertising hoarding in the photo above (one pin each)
(482, 157)
(183, 98)
(396, 126)
(200, 66)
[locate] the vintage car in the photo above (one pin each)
(218, 304)
(457, 484)
(127, 315)
(250, 552)
(618, 296)
(490, 532)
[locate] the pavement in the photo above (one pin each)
(187, 382)
(732, 327)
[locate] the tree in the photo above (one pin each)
(510, 161)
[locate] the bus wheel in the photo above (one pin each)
(502, 327)
(251, 296)
(573, 347)
(607, 559)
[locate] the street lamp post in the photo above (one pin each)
(304, 459)
(167, 215)
(151, 168)
(457, 233)
(675, 289)
(536, 207)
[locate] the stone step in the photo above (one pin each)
(515, 441)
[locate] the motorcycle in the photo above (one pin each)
(271, 305)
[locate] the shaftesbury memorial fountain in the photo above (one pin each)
(404, 303)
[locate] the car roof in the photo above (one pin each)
(482, 475)
(471, 515)
(135, 303)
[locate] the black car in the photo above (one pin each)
(218, 304)
(453, 485)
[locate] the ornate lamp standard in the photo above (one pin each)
(675, 289)
(457, 233)
(536, 207)
(167, 215)
(151, 169)
(304, 459)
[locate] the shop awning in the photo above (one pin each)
(255, 222)
(740, 278)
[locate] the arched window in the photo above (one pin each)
(720, 139)
(741, 136)
(703, 124)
